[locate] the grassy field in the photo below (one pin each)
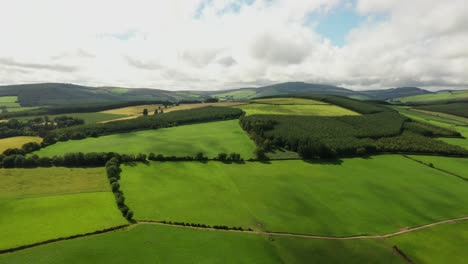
(163, 244)
(463, 142)
(10, 103)
(440, 244)
(30, 220)
(318, 110)
(442, 96)
(237, 95)
(46, 203)
(136, 111)
(288, 101)
(23, 183)
(358, 196)
(209, 138)
(457, 166)
(89, 118)
(456, 123)
(16, 142)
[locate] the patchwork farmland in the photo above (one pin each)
(280, 179)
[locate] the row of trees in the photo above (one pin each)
(223, 227)
(36, 126)
(113, 174)
(15, 158)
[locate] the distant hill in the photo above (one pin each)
(285, 89)
(60, 94)
(437, 97)
(392, 93)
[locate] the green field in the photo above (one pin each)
(288, 101)
(209, 138)
(10, 103)
(24, 183)
(47, 203)
(442, 96)
(439, 244)
(457, 166)
(456, 123)
(16, 142)
(316, 110)
(89, 118)
(164, 244)
(358, 196)
(463, 142)
(237, 95)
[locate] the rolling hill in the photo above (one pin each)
(392, 93)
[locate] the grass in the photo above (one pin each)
(316, 110)
(17, 142)
(209, 138)
(9, 101)
(89, 118)
(135, 111)
(237, 95)
(456, 123)
(164, 244)
(463, 142)
(23, 183)
(46, 203)
(119, 90)
(358, 196)
(11, 104)
(442, 96)
(288, 101)
(457, 166)
(31, 220)
(439, 244)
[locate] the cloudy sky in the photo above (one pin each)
(214, 44)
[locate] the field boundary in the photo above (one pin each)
(102, 231)
(265, 233)
(355, 237)
(435, 168)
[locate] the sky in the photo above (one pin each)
(220, 44)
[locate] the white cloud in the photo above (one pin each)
(212, 44)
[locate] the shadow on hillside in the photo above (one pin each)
(325, 162)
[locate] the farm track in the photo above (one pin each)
(356, 237)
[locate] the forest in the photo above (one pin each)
(458, 109)
(330, 137)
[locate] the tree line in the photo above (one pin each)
(38, 126)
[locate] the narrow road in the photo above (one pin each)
(409, 230)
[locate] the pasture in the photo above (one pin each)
(439, 244)
(23, 183)
(288, 101)
(30, 220)
(46, 203)
(295, 109)
(209, 138)
(135, 111)
(348, 197)
(10, 104)
(237, 95)
(456, 166)
(16, 142)
(163, 244)
(89, 118)
(441, 96)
